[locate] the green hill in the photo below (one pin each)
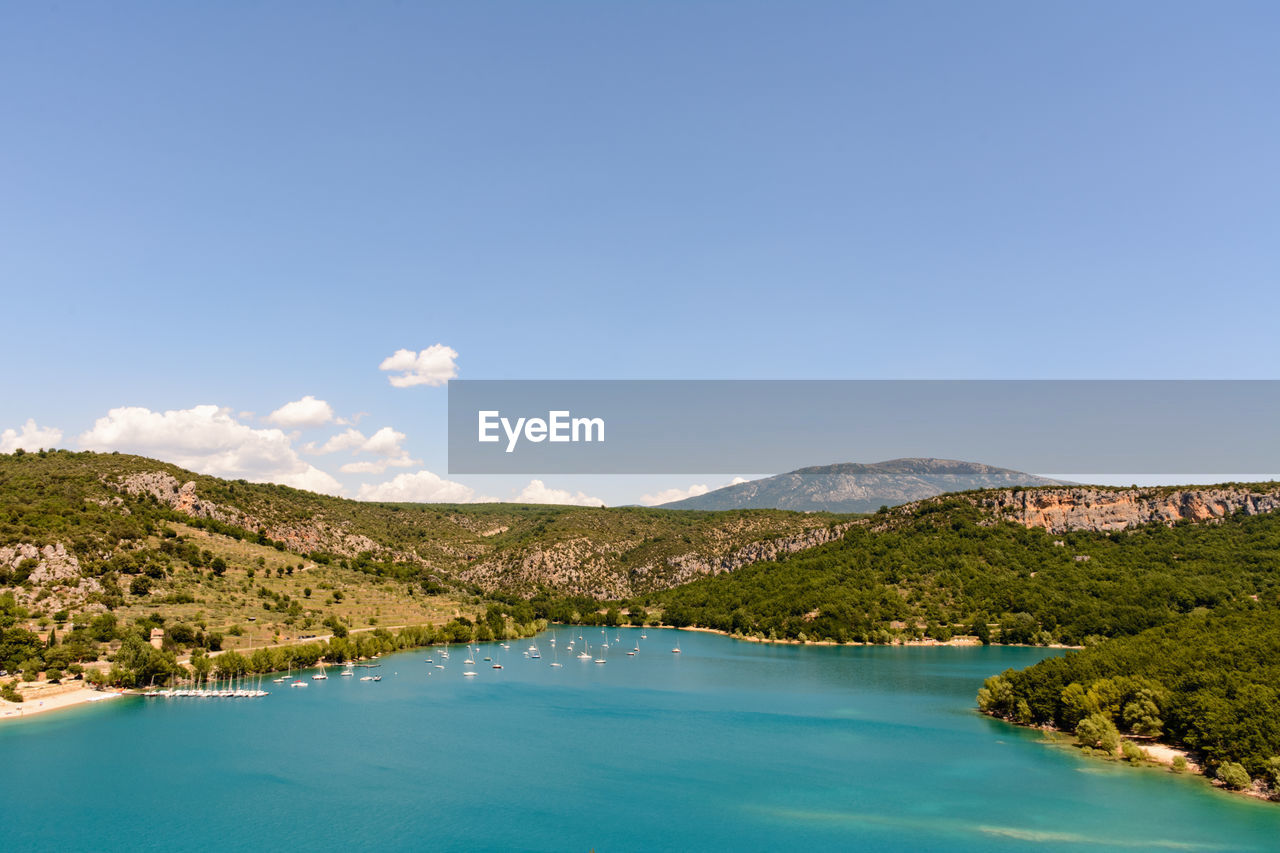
(953, 566)
(83, 534)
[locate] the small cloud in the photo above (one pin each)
(346, 440)
(307, 412)
(666, 496)
(379, 466)
(419, 487)
(32, 437)
(538, 493)
(433, 366)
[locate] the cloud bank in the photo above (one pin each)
(210, 440)
(537, 492)
(419, 487)
(31, 437)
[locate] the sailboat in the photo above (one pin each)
(350, 670)
(320, 676)
(586, 653)
(676, 650)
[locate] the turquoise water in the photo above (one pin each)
(727, 746)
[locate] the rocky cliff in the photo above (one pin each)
(1061, 510)
(583, 567)
(300, 537)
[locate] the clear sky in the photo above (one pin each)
(213, 210)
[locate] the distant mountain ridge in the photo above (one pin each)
(857, 487)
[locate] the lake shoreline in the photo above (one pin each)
(963, 640)
(46, 701)
(1154, 753)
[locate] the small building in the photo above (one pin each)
(157, 637)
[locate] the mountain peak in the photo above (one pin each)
(860, 487)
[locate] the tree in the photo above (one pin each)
(1233, 775)
(996, 696)
(1142, 715)
(1273, 770)
(137, 664)
(201, 664)
(1075, 706)
(1132, 752)
(218, 565)
(1097, 731)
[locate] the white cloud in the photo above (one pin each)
(668, 495)
(350, 439)
(210, 440)
(538, 493)
(385, 443)
(307, 412)
(433, 366)
(32, 437)
(419, 487)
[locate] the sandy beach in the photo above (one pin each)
(51, 698)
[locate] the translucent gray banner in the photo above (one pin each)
(770, 426)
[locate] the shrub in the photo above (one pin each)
(1233, 775)
(1098, 732)
(1132, 752)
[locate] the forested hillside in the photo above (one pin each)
(1209, 682)
(948, 568)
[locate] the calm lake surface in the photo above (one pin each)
(727, 746)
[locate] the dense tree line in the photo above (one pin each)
(1209, 682)
(950, 570)
(137, 664)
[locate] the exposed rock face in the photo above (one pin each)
(583, 567)
(55, 564)
(56, 571)
(852, 487)
(1062, 510)
(299, 537)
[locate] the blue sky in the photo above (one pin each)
(239, 205)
